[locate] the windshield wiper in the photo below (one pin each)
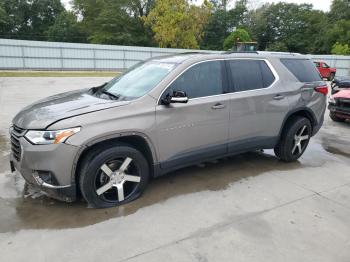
(116, 97)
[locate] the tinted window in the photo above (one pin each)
(250, 74)
(204, 79)
(324, 65)
(302, 69)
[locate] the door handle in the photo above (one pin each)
(278, 97)
(218, 106)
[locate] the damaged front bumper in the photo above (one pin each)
(342, 112)
(47, 168)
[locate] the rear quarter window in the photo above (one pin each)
(303, 69)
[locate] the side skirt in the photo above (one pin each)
(211, 153)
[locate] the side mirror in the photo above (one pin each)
(176, 97)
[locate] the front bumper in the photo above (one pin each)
(342, 112)
(47, 168)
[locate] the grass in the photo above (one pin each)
(57, 73)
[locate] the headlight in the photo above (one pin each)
(50, 137)
(331, 100)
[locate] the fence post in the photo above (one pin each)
(23, 58)
(94, 57)
(124, 59)
(61, 57)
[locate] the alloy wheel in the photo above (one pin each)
(117, 179)
(300, 140)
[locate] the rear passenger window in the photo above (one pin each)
(250, 74)
(204, 79)
(302, 69)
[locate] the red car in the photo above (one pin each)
(339, 106)
(325, 70)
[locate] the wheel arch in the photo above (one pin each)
(139, 141)
(302, 111)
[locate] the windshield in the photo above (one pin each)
(138, 80)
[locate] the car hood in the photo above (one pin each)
(49, 110)
(342, 94)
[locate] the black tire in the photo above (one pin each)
(335, 118)
(331, 77)
(120, 190)
(288, 149)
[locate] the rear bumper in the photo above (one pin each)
(342, 112)
(47, 168)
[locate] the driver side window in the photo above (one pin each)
(204, 79)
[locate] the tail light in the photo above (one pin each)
(322, 89)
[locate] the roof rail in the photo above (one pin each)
(193, 52)
(278, 53)
(240, 52)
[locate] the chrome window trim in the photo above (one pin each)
(273, 70)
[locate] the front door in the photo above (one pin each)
(198, 129)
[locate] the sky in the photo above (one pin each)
(318, 4)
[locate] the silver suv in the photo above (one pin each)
(165, 113)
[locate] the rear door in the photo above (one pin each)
(258, 105)
(198, 129)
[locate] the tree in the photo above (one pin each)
(340, 9)
(114, 22)
(142, 7)
(222, 22)
(297, 27)
(66, 29)
(177, 24)
(4, 21)
(340, 49)
(339, 32)
(239, 35)
(278, 47)
(29, 19)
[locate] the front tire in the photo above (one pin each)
(113, 176)
(294, 139)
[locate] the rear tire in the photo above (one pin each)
(112, 176)
(331, 77)
(294, 139)
(335, 118)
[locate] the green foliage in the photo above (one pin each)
(222, 22)
(66, 29)
(340, 9)
(239, 35)
(338, 32)
(115, 22)
(177, 24)
(340, 49)
(28, 19)
(278, 47)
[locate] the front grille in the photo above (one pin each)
(343, 103)
(16, 149)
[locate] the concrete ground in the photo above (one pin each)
(249, 207)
